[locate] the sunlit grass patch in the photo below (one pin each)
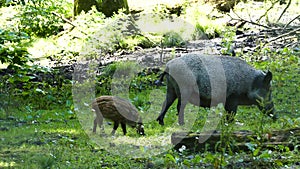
(7, 164)
(64, 131)
(134, 147)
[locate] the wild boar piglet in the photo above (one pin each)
(118, 110)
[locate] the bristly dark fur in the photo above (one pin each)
(207, 80)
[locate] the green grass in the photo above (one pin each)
(53, 142)
(54, 137)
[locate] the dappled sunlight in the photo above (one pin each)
(31, 152)
(7, 164)
(42, 47)
(153, 143)
(6, 16)
(143, 146)
(152, 23)
(63, 131)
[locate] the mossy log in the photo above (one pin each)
(237, 140)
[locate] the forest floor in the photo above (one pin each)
(45, 130)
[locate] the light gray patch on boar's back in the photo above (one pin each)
(239, 75)
(199, 75)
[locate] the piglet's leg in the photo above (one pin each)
(123, 125)
(116, 125)
(95, 125)
(98, 120)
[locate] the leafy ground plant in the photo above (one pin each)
(13, 49)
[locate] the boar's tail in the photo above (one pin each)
(161, 78)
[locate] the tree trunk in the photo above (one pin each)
(108, 7)
(83, 5)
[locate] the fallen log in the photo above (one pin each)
(238, 140)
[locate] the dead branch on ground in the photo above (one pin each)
(287, 6)
(69, 22)
(272, 35)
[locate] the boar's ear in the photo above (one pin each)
(268, 77)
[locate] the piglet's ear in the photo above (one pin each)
(268, 77)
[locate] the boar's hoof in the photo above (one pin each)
(229, 119)
(160, 121)
(274, 116)
(158, 83)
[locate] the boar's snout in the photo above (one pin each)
(140, 129)
(269, 110)
(266, 104)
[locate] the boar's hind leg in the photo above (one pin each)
(98, 120)
(231, 111)
(123, 125)
(180, 109)
(116, 125)
(170, 98)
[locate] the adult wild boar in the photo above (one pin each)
(207, 80)
(119, 111)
